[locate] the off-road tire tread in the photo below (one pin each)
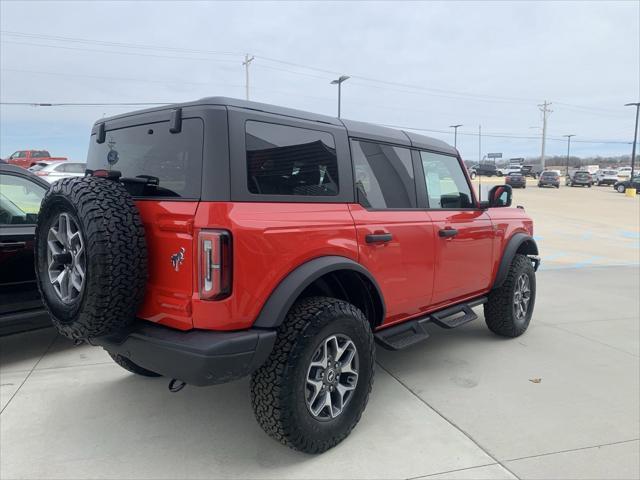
(271, 397)
(128, 365)
(498, 311)
(116, 253)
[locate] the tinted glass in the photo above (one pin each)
(447, 186)
(40, 154)
(175, 159)
(384, 175)
(283, 160)
(19, 200)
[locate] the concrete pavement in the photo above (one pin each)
(460, 405)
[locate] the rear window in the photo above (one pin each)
(174, 159)
(284, 160)
(549, 174)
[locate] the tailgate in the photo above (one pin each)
(168, 227)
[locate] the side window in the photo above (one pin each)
(447, 186)
(383, 175)
(19, 200)
(283, 160)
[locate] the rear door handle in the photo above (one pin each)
(378, 237)
(448, 232)
(12, 245)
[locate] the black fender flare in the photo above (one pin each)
(289, 289)
(515, 242)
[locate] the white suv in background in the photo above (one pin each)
(624, 173)
(52, 171)
(606, 177)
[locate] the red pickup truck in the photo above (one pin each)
(28, 158)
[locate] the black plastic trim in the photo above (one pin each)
(289, 289)
(197, 357)
(509, 252)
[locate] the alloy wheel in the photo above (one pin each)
(332, 377)
(521, 297)
(66, 258)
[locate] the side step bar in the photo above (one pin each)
(411, 332)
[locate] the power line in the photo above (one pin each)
(115, 52)
(433, 91)
(503, 135)
(59, 38)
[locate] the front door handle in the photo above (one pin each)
(448, 232)
(378, 238)
(12, 245)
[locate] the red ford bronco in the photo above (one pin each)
(221, 238)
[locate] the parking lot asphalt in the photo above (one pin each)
(577, 227)
(463, 404)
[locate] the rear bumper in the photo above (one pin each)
(197, 357)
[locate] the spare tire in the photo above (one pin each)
(91, 256)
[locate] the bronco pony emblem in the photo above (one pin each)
(177, 259)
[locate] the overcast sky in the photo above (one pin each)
(444, 63)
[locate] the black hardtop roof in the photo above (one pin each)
(354, 128)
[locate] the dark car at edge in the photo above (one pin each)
(21, 307)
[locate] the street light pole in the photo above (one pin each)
(568, 151)
(338, 82)
(635, 136)
(455, 134)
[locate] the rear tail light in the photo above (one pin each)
(215, 264)
(42, 174)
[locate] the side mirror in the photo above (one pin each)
(499, 196)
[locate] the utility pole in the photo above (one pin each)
(479, 143)
(338, 82)
(246, 63)
(455, 134)
(544, 108)
(568, 151)
(635, 136)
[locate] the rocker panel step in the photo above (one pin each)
(411, 332)
(403, 335)
(457, 315)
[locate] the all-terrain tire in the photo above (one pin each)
(499, 311)
(128, 365)
(115, 256)
(278, 388)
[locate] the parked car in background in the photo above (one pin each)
(624, 173)
(632, 183)
(52, 171)
(509, 169)
(549, 178)
(606, 177)
(27, 158)
(486, 170)
(579, 179)
(21, 307)
(532, 171)
(516, 180)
